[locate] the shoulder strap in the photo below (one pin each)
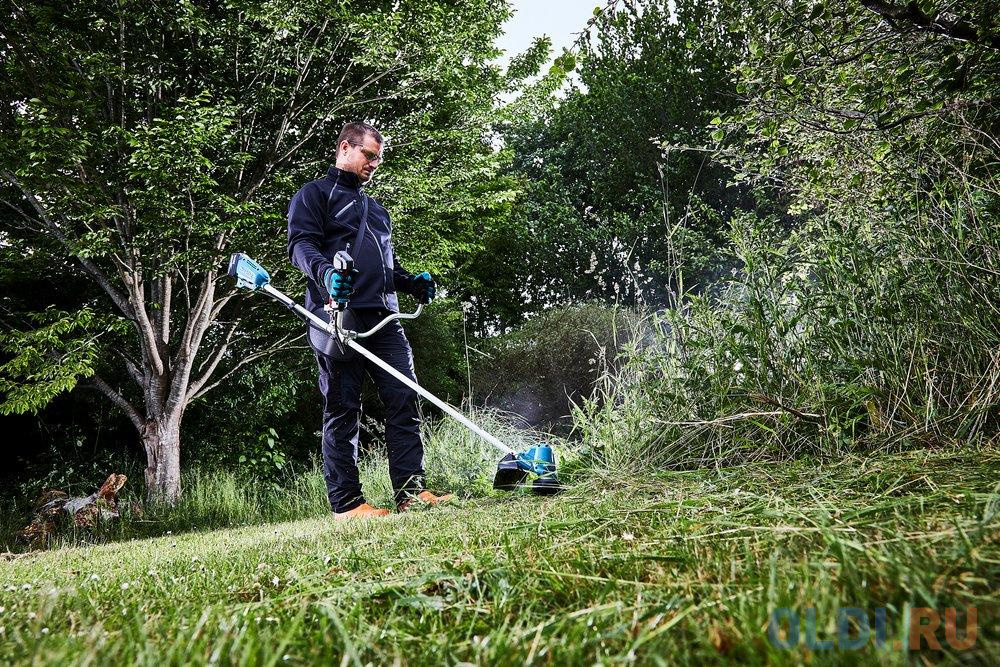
(362, 226)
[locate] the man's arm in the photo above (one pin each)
(401, 278)
(421, 286)
(305, 233)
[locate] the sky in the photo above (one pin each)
(559, 19)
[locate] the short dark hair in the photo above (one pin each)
(355, 133)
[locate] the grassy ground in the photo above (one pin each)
(681, 568)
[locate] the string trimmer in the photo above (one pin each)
(536, 466)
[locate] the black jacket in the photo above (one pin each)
(323, 218)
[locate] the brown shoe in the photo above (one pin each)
(362, 511)
(425, 497)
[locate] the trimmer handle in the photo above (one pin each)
(343, 265)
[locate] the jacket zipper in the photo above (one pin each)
(381, 258)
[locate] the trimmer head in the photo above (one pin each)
(546, 486)
(514, 471)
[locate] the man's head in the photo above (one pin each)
(359, 150)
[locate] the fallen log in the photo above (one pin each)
(55, 509)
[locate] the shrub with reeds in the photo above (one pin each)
(852, 334)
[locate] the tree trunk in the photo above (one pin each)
(163, 460)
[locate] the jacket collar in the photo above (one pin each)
(347, 179)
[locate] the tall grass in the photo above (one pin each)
(212, 499)
(219, 498)
(851, 335)
(459, 462)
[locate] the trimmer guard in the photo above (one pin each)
(514, 470)
(510, 474)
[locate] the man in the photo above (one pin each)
(326, 216)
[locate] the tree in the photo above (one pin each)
(605, 205)
(878, 123)
(840, 98)
(143, 141)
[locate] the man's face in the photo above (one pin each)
(361, 159)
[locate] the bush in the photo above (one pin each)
(850, 335)
(539, 370)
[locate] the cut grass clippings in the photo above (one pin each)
(680, 568)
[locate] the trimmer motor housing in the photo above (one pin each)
(247, 272)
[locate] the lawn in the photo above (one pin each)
(677, 568)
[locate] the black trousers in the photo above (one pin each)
(340, 383)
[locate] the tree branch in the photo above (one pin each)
(242, 362)
(167, 290)
(940, 23)
(805, 416)
(213, 360)
(197, 324)
(288, 117)
(133, 368)
(147, 333)
(134, 416)
(119, 299)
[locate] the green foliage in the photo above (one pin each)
(438, 338)
(845, 110)
(528, 63)
(143, 142)
(264, 457)
(74, 461)
(860, 317)
(824, 344)
(278, 393)
(51, 357)
(860, 226)
(607, 211)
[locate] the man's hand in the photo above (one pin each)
(340, 284)
(423, 287)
